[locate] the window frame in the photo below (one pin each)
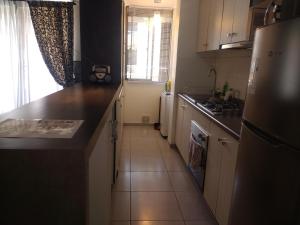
(144, 80)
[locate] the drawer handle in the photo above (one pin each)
(224, 141)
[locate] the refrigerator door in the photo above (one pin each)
(273, 96)
(267, 184)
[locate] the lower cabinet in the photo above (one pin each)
(185, 114)
(181, 105)
(101, 176)
(220, 170)
(221, 158)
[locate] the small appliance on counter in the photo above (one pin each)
(100, 74)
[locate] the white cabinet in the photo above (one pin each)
(100, 165)
(185, 114)
(210, 21)
(179, 123)
(203, 25)
(183, 126)
(120, 121)
(221, 158)
(186, 132)
(234, 22)
(220, 171)
(214, 25)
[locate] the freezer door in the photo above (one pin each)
(273, 96)
(267, 184)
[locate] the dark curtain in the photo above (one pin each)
(53, 26)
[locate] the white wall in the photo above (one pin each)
(141, 99)
(191, 71)
(233, 67)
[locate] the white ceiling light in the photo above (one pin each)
(157, 1)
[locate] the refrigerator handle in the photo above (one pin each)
(271, 140)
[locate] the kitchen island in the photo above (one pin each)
(56, 180)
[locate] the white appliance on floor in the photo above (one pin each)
(164, 113)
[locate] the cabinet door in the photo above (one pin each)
(227, 21)
(229, 151)
(215, 24)
(203, 25)
(100, 178)
(212, 174)
(240, 22)
(186, 132)
(201, 120)
(119, 118)
(179, 121)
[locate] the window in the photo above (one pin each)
(148, 44)
(24, 77)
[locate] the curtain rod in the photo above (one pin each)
(74, 3)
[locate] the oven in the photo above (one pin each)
(198, 153)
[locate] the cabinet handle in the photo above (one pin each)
(229, 35)
(205, 45)
(234, 34)
(224, 141)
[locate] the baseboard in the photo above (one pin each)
(138, 124)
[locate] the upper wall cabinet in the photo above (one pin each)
(234, 22)
(210, 21)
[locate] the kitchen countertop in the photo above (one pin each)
(80, 102)
(231, 123)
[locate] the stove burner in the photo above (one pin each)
(219, 107)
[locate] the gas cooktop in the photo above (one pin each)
(216, 106)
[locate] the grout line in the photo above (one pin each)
(130, 195)
(168, 172)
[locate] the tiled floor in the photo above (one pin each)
(153, 186)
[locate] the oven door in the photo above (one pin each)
(198, 155)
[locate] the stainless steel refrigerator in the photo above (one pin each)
(267, 184)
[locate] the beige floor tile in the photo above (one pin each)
(144, 143)
(125, 153)
(163, 144)
(157, 223)
(147, 164)
(182, 181)
(121, 206)
(125, 163)
(144, 131)
(211, 222)
(150, 181)
(174, 163)
(193, 207)
(120, 223)
(154, 206)
(125, 144)
(146, 152)
(122, 182)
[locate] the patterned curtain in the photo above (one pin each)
(53, 25)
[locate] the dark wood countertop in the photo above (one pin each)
(80, 102)
(229, 123)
